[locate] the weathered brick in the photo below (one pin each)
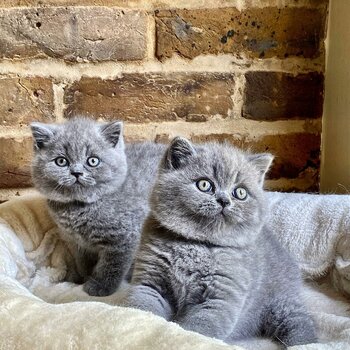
(152, 3)
(153, 97)
(258, 32)
(73, 33)
(15, 156)
(24, 100)
(276, 95)
(294, 153)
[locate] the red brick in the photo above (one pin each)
(276, 95)
(153, 97)
(257, 32)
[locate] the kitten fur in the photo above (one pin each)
(100, 210)
(206, 260)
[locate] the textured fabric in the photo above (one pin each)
(316, 230)
(39, 311)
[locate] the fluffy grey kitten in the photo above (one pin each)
(97, 193)
(206, 261)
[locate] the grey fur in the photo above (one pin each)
(101, 217)
(212, 268)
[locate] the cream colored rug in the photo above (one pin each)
(40, 311)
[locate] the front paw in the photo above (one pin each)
(98, 289)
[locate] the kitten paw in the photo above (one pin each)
(96, 288)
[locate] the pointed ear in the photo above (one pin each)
(178, 153)
(262, 162)
(42, 133)
(112, 132)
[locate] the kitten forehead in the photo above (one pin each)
(79, 128)
(79, 135)
(224, 162)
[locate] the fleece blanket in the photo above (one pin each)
(38, 310)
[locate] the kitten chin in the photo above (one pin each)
(219, 232)
(60, 197)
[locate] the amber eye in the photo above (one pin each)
(93, 161)
(61, 161)
(240, 193)
(204, 185)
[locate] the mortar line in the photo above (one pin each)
(221, 126)
(151, 36)
(58, 70)
(238, 96)
(58, 96)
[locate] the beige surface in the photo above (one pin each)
(335, 171)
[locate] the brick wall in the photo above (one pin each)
(250, 72)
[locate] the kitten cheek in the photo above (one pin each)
(105, 173)
(206, 209)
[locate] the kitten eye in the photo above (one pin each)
(204, 185)
(240, 193)
(61, 161)
(93, 161)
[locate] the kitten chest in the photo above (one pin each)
(75, 224)
(200, 272)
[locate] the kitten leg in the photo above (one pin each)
(74, 277)
(110, 270)
(85, 261)
(128, 276)
(75, 274)
(288, 322)
(148, 299)
(213, 318)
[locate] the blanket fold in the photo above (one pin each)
(316, 230)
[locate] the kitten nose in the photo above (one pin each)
(76, 173)
(223, 200)
(76, 170)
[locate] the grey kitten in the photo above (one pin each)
(97, 193)
(206, 260)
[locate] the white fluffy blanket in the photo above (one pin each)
(39, 311)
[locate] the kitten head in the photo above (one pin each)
(211, 192)
(80, 160)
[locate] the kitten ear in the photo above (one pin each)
(262, 162)
(42, 134)
(178, 153)
(112, 132)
